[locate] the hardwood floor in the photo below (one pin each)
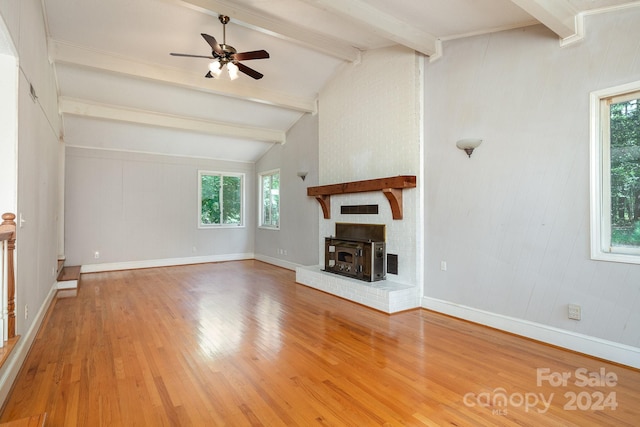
(240, 343)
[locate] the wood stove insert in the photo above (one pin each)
(357, 251)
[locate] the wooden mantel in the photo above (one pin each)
(391, 187)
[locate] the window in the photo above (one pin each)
(220, 199)
(270, 199)
(615, 174)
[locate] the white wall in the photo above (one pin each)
(38, 127)
(38, 147)
(8, 131)
(512, 222)
(298, 233)
(371, 127)
(141, 208)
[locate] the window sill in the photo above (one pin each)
(611, 257)
(218, 227)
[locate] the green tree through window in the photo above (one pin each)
(625, 172)
(221, 198)
(615, 173)
(270, 199)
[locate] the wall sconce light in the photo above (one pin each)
(302, 175)
(468, 145)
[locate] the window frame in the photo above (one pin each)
(261, 223)
(201, 225)
(600, 176)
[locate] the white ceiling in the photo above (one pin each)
(120, 89)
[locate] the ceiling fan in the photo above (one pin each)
(223, 54)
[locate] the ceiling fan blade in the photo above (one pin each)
(213, 43)
(209, 75)
(256, 54)
(249, 71)
(191, 56)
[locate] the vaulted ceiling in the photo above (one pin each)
(120, 89)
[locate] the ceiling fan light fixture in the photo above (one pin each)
(223, 54)
(233, 70)
(215, 68)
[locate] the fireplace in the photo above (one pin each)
(357, 251)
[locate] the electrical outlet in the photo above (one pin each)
(575, 312)
(96, 255)
(26, 311)
(443, 265)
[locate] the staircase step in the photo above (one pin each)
(68, 282)
(69, 273)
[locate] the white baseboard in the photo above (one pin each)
(168, 262)
(12, 365)
(279, 262)
(592, 346)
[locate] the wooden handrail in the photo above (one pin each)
(8, 233)
(391, 187)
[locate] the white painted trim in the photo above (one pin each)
(596, 171)
(557, 15)
(67, 284)
(85, 108)
(260, 206)
(181, 156)
(613, 8)
(421, 187)
(592, 346)
(578, 36)
(132, 265)
(198, 207)
(18, 355)
(167, 262)
(594, 175)
(278, 262)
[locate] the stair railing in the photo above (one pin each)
(8, 278)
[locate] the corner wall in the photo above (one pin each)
(512, 222)
(298, 233)
(147, 211)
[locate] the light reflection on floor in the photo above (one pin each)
(221, 333)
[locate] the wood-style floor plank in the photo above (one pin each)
(241, 344)
(34, 421)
